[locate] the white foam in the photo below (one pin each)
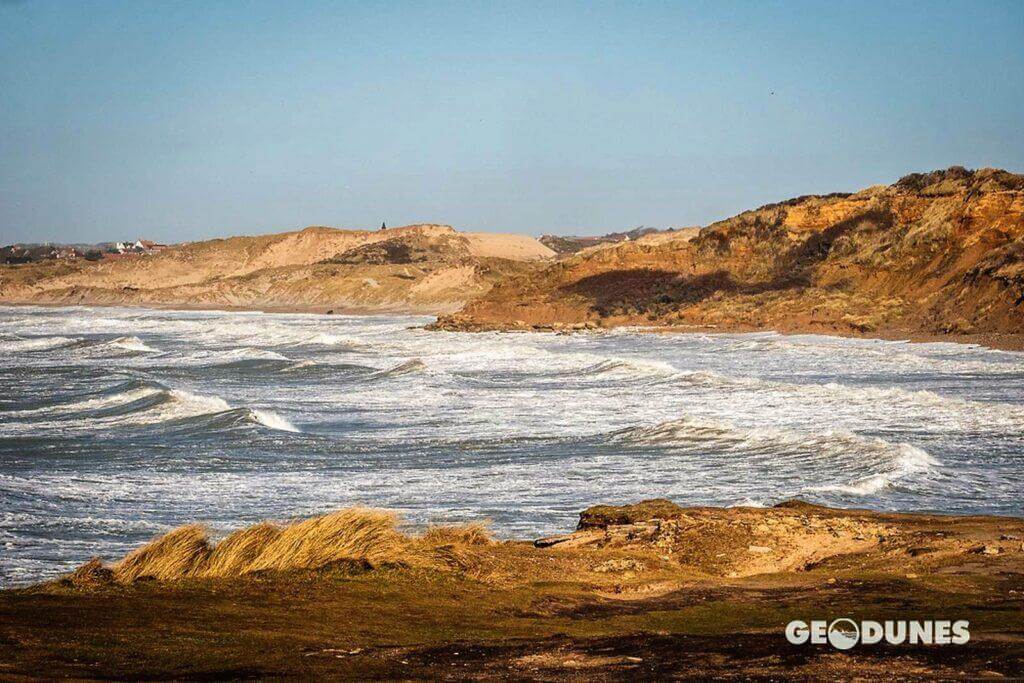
(961, 410)
(825, 453)
(326, 339)
(636, 367)
(910, 463)
(133, 344)
(273, 421)
(37, 344)
(182, 404)
(247, 352)
(747, 503)
(93, 403)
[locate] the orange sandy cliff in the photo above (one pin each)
(937, 253)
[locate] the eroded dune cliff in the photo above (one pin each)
(937, 253)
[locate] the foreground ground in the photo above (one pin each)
(636, 592)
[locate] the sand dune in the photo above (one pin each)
(421, 268)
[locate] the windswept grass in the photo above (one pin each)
(236, 553)
(354, 534)
(370, 537)
(182, 552)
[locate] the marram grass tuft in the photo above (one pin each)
(360, 535)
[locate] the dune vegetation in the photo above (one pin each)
(361, 536)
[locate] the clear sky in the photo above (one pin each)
(184, 120)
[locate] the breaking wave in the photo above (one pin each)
(22, 344)
(142, 403)
(334, 341)
(132, 344)
(866, 465)
(833, 392)
(630, 367)
(228, 419)
(910, 463)
(408, 367)
(272, 420)
(118, 345)
(120, 394)
(125, 344)
(288, 368)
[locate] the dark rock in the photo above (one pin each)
(603, 516)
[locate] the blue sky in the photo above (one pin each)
(186, 120)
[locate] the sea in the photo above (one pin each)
(119, 424)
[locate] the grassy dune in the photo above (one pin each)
(651, 590)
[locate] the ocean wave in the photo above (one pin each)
(246, 352)
(584, 368)
(334, 341)
(227, 419)
(132, 344)
(272, 420)
(118, 345)
(942, 357)
(411, 366)
(34, 344)
(866, 465)
(631, 367)
(1005, 414)
(910, 463)
(287, 367)
(139, 403)
(120, 394)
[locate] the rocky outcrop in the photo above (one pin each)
(936, 253)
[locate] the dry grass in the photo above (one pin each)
(180, 553)
(455, 546)
(237, 552)
(474, 533)
(353, 534)
(362, 535)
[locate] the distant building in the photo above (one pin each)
(151, 247)
(139, 246)
(67, 253)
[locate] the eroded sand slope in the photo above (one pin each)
(937, 253)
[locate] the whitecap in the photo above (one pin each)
(911, 463)
(37, 344)
(273, 421)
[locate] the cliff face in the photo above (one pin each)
(420, 268)
(936, 253)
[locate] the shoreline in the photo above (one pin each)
(648, 590)
(991, 340)
(994, 340)
(235, 308)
